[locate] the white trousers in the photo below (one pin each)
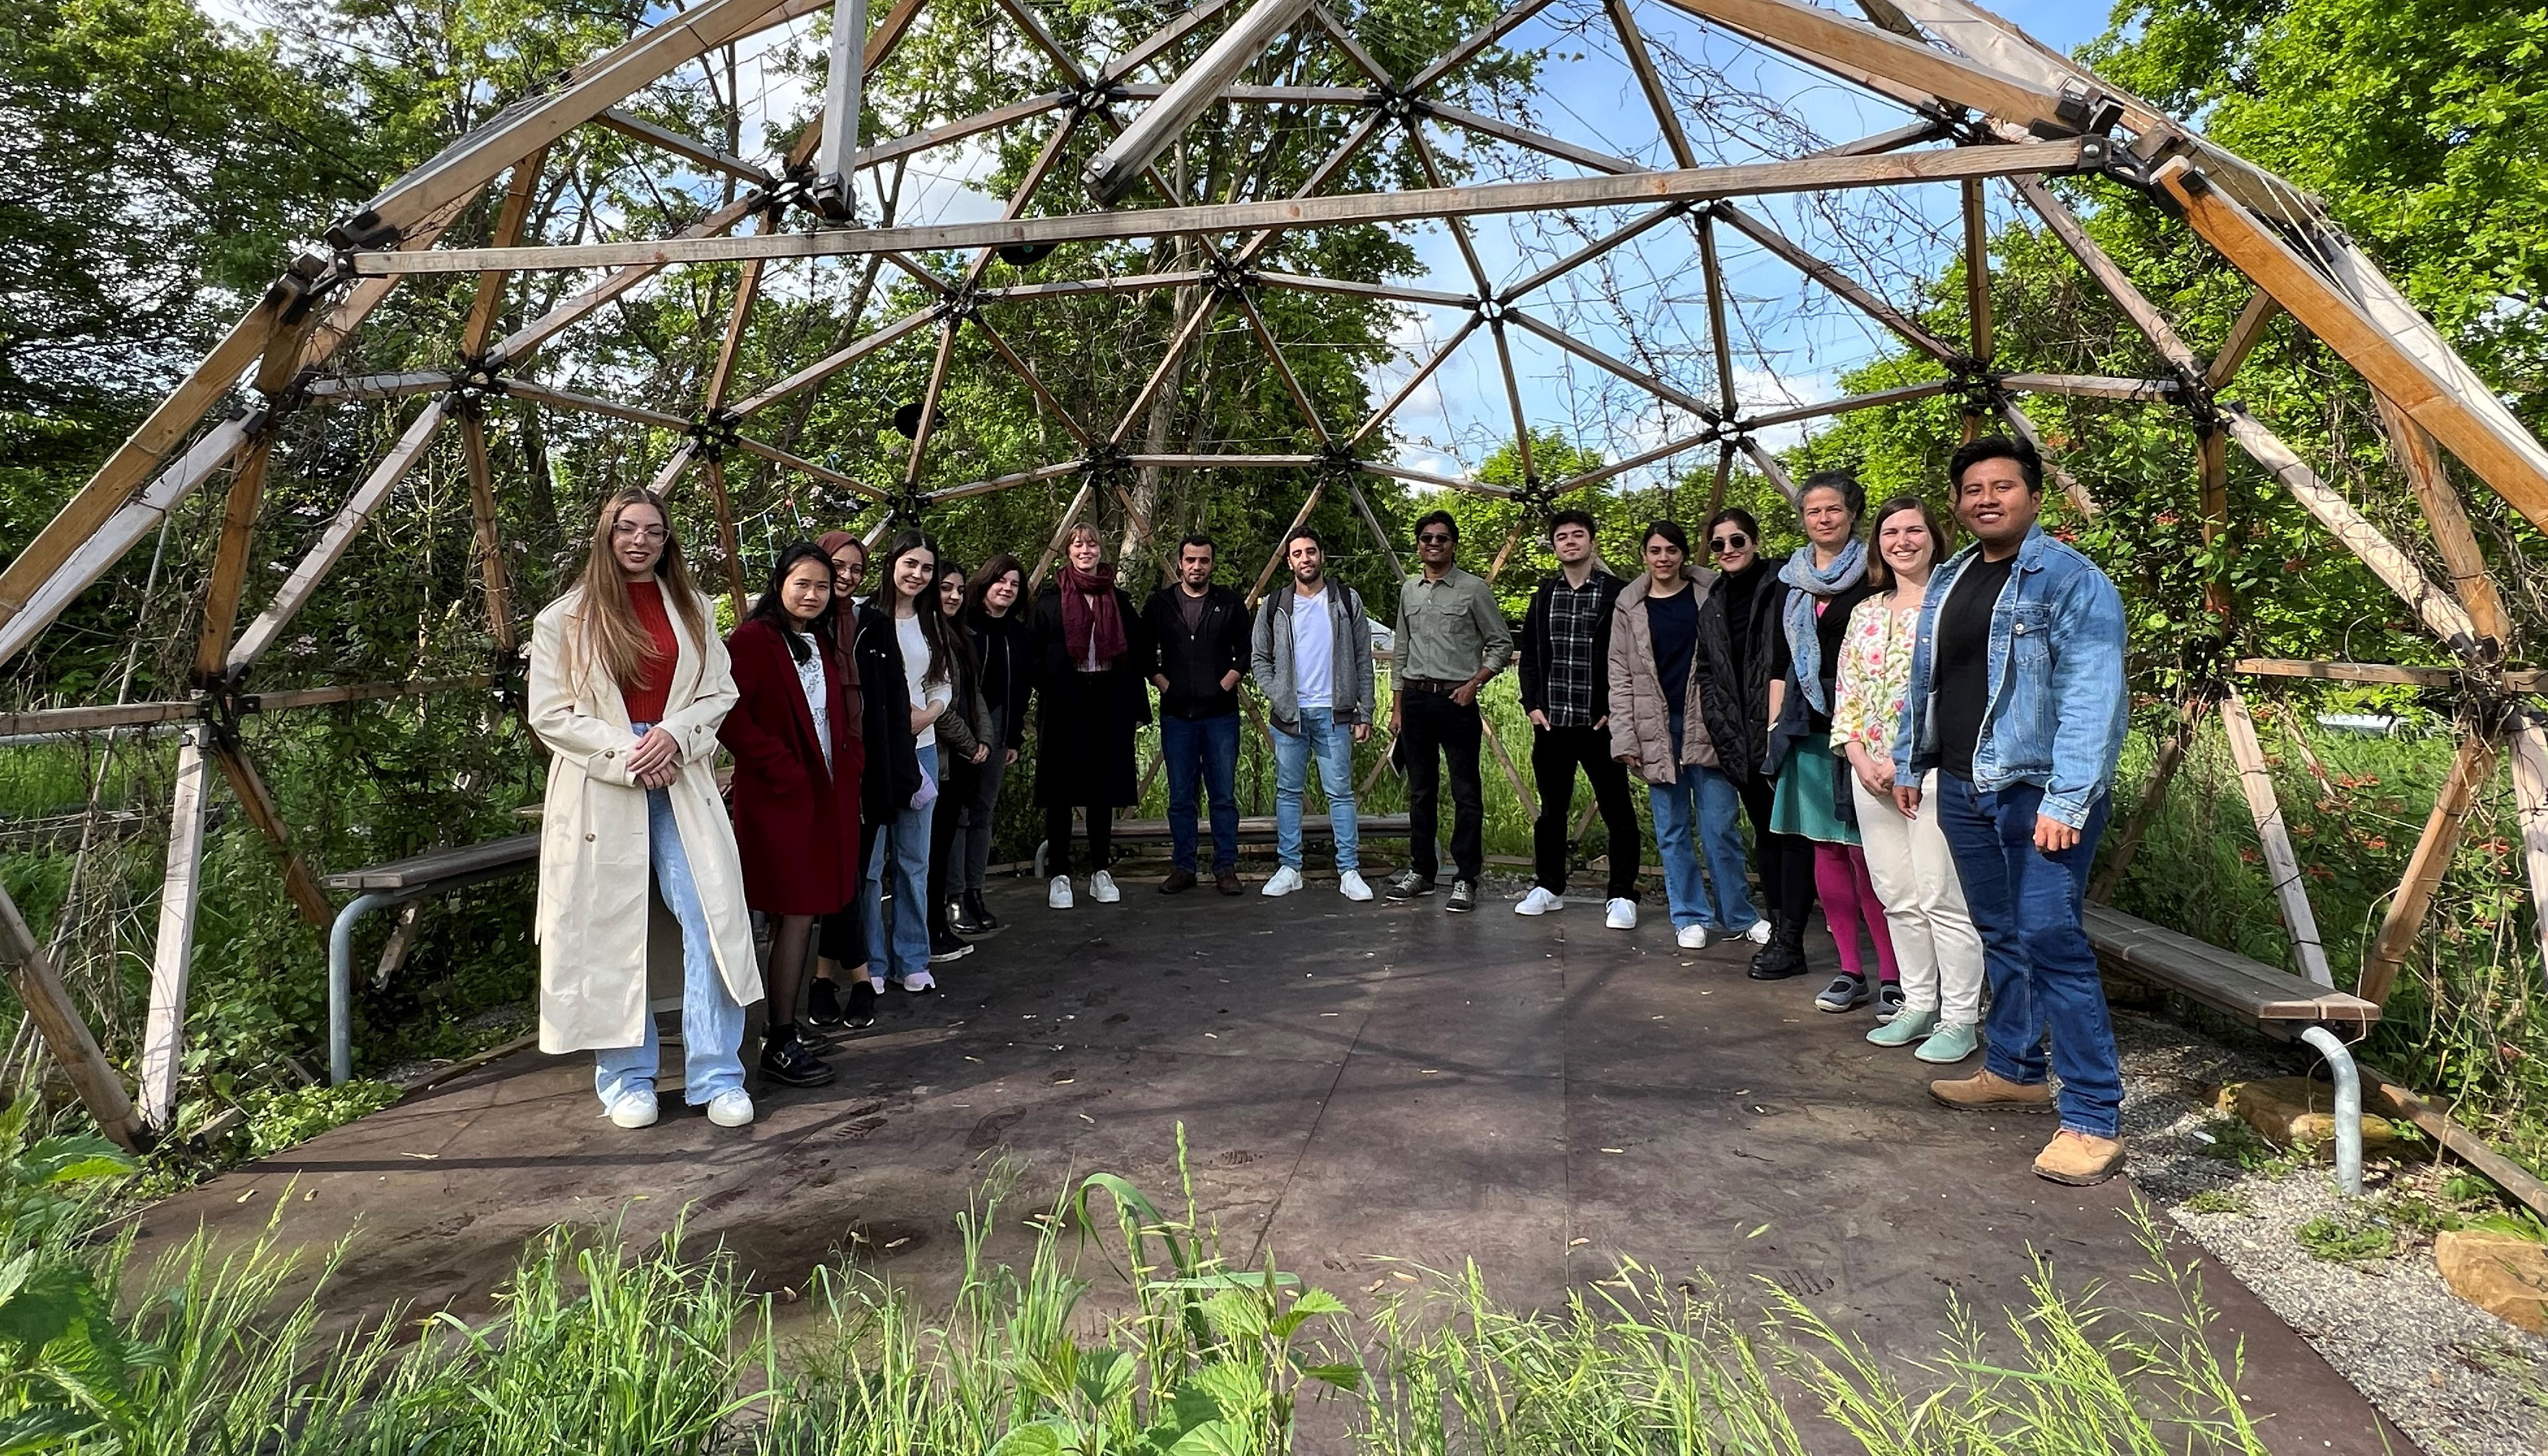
(1924, 905)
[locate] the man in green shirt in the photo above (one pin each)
(1451, 638)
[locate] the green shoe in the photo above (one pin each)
(1954, 1043)
(1906, 1028)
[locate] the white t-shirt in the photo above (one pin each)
(810, 676)
(915, 667)
(1314, 650)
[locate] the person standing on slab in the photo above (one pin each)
(840, 937)
(1564, 655)
(1742, 650)
(1312, 658)
(1199, 650)
(1091, 702)
(965, 744)
(996, 627)
(1451, 638)
(2017, 701)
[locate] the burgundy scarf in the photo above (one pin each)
(1088, 612)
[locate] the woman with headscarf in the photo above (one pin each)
(1092, 700)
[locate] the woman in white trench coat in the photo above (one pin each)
(629, 684)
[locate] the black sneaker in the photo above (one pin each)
(1845, 993)
(1464, 897)
(1409, 884)
(788, 1060)
(862, 1002)
(823, 1004)
(1888, 1002)
(948, 945)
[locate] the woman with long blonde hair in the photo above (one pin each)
(629, 684)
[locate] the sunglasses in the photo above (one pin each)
(1734, 542)
(1434, 538)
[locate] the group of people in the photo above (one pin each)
(1922, 743)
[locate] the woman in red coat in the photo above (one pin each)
(797, 757)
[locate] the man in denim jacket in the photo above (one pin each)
(2015, 717)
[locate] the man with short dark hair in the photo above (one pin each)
(1312, 660)
(2015, 717)
(1198, 639)
(1451, 638)
(1564, 654)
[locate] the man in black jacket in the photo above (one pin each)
(1565, 656)
(1198, 644)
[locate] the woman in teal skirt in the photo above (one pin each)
(1829, 580)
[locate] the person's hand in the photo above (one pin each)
(1396, 719)
(1631, 761)
(1601, 722)
(1878, 780)
(663, 778)
(1466, 693)
(1362, 732)
(982, 751)
(1159, 680)
(1011, 759)
(2051, 836)
(1906, 797)
(658, 754)
(1539, 720)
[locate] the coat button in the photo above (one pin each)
(587, 838)
(610, 752)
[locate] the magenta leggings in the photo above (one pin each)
(1848, 901)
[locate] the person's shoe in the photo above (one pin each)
(1349, 885)
(979, 913)
(1950, 1043)
(823, 1004)
(1464, 897)
(918, 984)
(1409, 884)
(1178, 882)
(788, 1060)
(1904, 1028)
(1846, 993)
(1101, 888)
(1282, 881)
(1539, 902)
(863, 1003)
(962, 918)
(1226, 881)
(2080, 1159)
(1622, 914)
(1987, 1089)
(1888, 1001)
(1058, 894)
(1758, 933)
(1783, 957)
(948, 945)
(634, 1109)
(876, 984)
(1691, 938)
(731, 1109)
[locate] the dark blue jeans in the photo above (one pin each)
(1201, 751)
(2026, 906)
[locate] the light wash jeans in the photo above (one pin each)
(1700, 812)
(711, 1022)
(904, 844)
(1332, 743)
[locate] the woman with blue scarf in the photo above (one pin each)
(1828, 579)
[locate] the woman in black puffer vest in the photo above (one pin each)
(1741, 651)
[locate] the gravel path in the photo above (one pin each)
(2457, 1380)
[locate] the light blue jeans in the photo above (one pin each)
(711, 1022)
(1700, 814)
(904, 844)
(1332, 743)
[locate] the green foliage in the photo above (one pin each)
(279, 1120)
(2217, 1201)
(2351, 1239)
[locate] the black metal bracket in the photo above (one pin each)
(1395, 104)
(716, 432)
(1097, 95)
(221, 705)
(477, 381)
(1227, 277)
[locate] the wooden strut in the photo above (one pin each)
(2257, 783)
(2471, 764)
(2530, 743)
(173, 948)
(38, 984)
(2128, 841)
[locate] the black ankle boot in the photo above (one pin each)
(786, 1058)
(1769, 952)
(961, 915)
(1785, 956)
(979, 913)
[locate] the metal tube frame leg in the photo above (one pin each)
(340, 981)
(2349, 1108)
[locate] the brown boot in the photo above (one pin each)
(1987, 1089)
(2080, 1159)
(1226, 881)
(1178, 882)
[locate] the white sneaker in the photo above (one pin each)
(1539, 901)
(1692, 937)
(634, 1109)
(1759, 933)
(731, 1109)
(1058, 897)
(919, 982)
(1287, 879)
(1349, 885)
(1101, 888)
(1623, 914)
(876, 984)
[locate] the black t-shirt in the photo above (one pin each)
(1674, 621)
(1959, 682)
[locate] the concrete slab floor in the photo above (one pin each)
(1358, 1084)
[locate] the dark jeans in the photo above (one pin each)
(958, 782)
(1431, 724)
(1786, 860)
(2042, 972)
(1555, 754)
(981, 809)
(1202, 752)
(1057, 839)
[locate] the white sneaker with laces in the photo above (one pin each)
(1539, 901)
(1058, 896)
(634, 1109)
(1692, 937)
(1623, 914)
(1282, 881)
(731, 1109)
(1101, 888)
(1759, 931)
(1349, 885)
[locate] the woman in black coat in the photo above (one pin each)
(1090, 701)
(1742, 650)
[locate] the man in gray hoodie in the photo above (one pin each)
(1312, 662)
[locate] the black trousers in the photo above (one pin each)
(1786, 860)
(958, 783)
(842, 936)
(1432, 728)
(1056, 838)
(1555, 754)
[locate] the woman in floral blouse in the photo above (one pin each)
(1915, 877)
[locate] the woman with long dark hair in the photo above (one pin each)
(903, 640)
(1005, 656)
(795, 791)
(1093, 699)
(840, 938)
(628, 687)
(1741, 651)
(963, 747)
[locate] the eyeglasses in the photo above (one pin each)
(625, 531)
(1734, 542)
(1434, 538)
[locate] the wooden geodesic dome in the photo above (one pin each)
(1976, 100)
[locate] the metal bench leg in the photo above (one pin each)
(340, 982)
(2349, 1108)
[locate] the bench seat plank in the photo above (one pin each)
(1259, 828)
(2222, 979)
(439, 865)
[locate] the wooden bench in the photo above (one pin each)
(2284, 1006)
(1253, 829)
(433, 873)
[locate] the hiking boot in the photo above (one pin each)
(1409, 884)
(1178, 882)
(823, 1004)
(2080, 1159)
(1846, 993)
(1987, 1089)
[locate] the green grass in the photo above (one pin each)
(2350, 1239)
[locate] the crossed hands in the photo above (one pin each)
(656, 760)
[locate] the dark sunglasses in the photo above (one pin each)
(1434, 538)
(1735, 542)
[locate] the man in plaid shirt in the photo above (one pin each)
(1565, 656)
